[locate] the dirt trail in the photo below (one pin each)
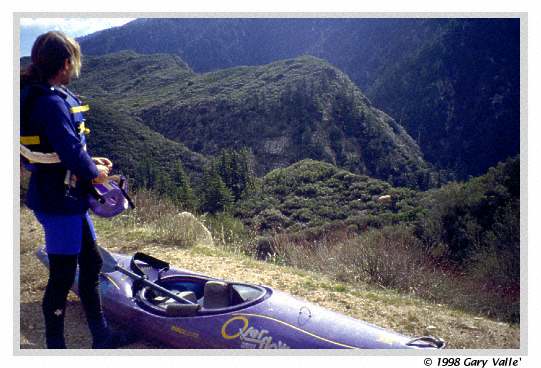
(404, 314)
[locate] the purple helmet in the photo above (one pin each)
(109, 199)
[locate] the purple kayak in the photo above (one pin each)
(182, 309)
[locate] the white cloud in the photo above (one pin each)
(74, 27)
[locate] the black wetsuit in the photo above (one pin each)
(62, 269)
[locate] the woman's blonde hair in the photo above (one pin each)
(49, 52)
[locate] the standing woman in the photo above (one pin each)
(52, 124)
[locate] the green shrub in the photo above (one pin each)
(393, 257)
(311, 193)
(155, 219)
(229, 232)
(466, 216)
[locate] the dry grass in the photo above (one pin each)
(393, 258)
(155, 219)
(389, 258)
(403, 313)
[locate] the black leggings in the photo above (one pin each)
(62, 269)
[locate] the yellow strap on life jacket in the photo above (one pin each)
(83, 129)
(29, 140)
(77, 109)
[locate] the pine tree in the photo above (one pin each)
(225, 169)
(235, 171)
(246, 173)
(214, 195)
(182, 193)
(163, 184)
(146, 174)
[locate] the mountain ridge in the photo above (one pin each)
(417, 70)
(284, 111)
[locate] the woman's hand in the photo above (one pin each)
(103, 161)
(103, 172)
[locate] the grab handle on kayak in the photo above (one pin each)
(145, 281)
(427, 342)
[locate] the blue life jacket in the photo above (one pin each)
(52, 121)
(30, 134)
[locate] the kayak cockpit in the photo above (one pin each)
(161, 292)
(203, 296)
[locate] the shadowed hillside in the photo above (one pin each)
(452, 83)
(284, 112)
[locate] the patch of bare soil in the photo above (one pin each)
(33, 279)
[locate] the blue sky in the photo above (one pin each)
(31, 28)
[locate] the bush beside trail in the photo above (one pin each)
(476, 227)
(393, 258)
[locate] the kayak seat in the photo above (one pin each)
(188, 295)
(181, 310)
(158, 299)
(216, 294)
